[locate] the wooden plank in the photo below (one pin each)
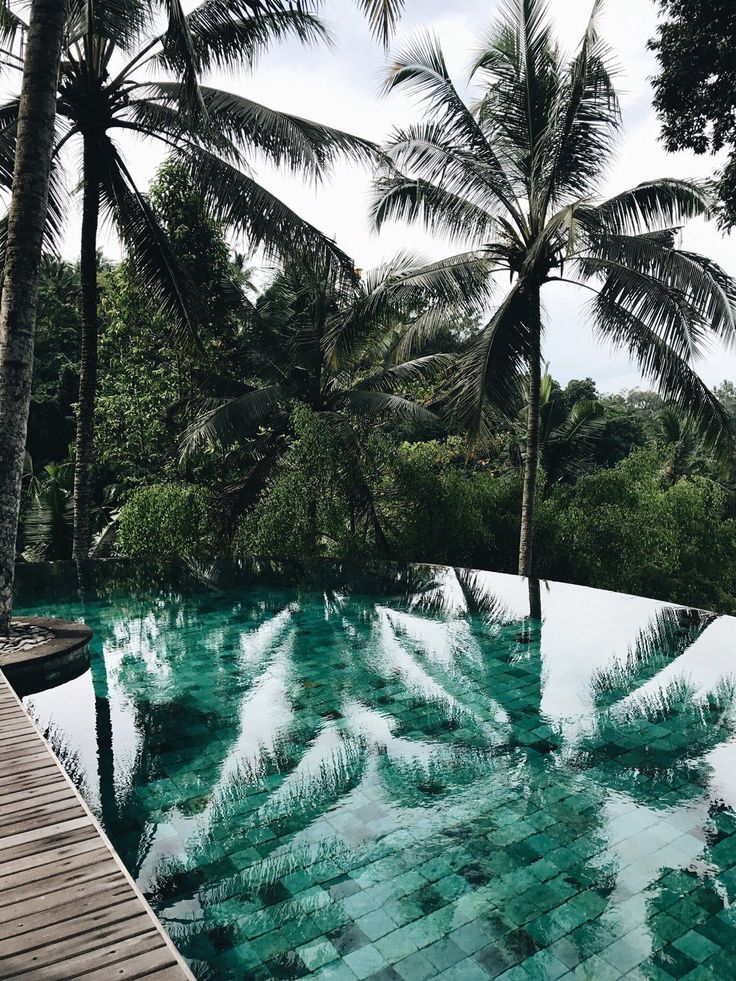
(38, 822)
(48, 933)
(109, 958)
(67, 948)
(24, 802)
(39, 872)
(38, 834)
(62, 839)
(34, 783)
(52, 855)
(104, 896)
(68, 906)
(41, 888)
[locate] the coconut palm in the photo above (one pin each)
(28, 173)
(518, 177)
(567, 434)
(105, 89)
(342, 347)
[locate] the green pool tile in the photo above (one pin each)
(596, 969)
(397, 945)
(415, 967)
(544, 966)
(630, 951)
(365, 961)
(465, 970)
(696, 946)
(443, 954)
(360, 783)
(471, 936)
(318, 953)
(376, 924)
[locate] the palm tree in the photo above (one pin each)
(28, 174)
(105, 89)
(683, 452)
(517, 176)
(567, 433)
(341, 346)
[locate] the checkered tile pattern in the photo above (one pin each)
(351, 787)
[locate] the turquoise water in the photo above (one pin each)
(407, 773)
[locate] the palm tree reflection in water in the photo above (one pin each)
(541, 762)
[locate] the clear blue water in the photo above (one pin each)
(406, 773)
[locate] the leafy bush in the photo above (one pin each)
(321, 500)
(165, 521)
(445, 512)
(631, 530)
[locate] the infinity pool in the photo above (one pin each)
(404, 772)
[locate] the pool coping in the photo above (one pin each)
(64, 656)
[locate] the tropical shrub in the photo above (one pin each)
(321, 500)
(630, 529)
(445, 511)
(165, 521)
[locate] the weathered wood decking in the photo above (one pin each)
(68, 907)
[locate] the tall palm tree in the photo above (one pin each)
(518, 177)
(340, 346)
(28, 173)
(105, 89)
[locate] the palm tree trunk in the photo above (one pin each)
(88, 360)
(28, 207)
(531, 457)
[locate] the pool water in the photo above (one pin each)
(406, 772)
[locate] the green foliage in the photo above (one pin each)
(630, 529)
(47, 517)
(318, 503)
(56, 362)
(694, 91)
(166, 521)
(140, 379)
(445, 511)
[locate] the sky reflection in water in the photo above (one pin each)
(407, 775)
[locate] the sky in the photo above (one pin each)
(341, 87)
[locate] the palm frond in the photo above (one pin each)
(429, 150)
(180, 54)
(425, 369)
(233, 420)
(489, 373)
(231, 33)
(243, 205)
(399, 198)
(372, 404)
(403, 289)
(420, 67)
(700, 288)
(383, 16)
(519, 64)
(661, 203)
(586, 121)
(11, 26)
(666, 367)
(151, 252)
(299, 144)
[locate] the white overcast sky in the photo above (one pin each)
(341, 87)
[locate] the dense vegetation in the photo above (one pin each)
(695, 89)
(312, 409)
(629, 498)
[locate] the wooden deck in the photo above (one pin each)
(68, 907)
